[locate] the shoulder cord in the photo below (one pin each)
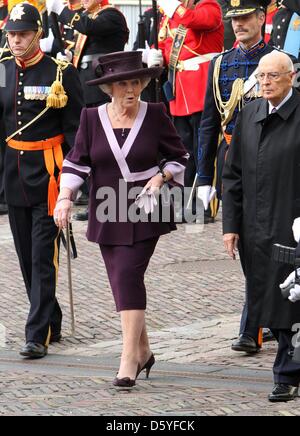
(226, 109)
(60, 67)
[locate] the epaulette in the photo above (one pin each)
(61, 64)
(6, 59)
(226, 52)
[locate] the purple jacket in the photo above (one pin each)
(97, 153)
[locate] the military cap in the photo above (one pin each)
(23, 17)
(237, 8)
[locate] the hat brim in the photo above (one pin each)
(20, 27)
(240, 12)
(152, 73)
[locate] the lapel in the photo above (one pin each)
(261, 125)
(284, 112)
(120, 154)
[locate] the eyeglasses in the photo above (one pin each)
(271, 76)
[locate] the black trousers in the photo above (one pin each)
(285, 370)
(2, 150)
(246, 326)
(36, 241)
(188, 128)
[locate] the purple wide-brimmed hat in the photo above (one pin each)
(122, 65)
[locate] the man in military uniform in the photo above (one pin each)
(286, 28)
(40, 108)
(60, 45)
(191, 34)
(231, 84)
(102, 29)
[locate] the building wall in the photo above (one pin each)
(131, 10)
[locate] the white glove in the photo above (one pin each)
(155, 58)
(296, 229)
(56, 6)
(47, 43)
(147, 200)
(64, 57)
(206, 193)
(169, 6)
(294, 291)
(145, 53)
(295, 294)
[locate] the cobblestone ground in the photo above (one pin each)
(195, 296)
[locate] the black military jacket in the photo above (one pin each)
(281, 22)
(106, 33)
(21, 100)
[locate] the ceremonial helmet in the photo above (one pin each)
(237, 8)
(23, 17)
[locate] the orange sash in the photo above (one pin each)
(52, 155)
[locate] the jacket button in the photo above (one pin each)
(21, 74)
(21, 153)
(20, 83)
(19, 114)
(19, 102)
(19, 122)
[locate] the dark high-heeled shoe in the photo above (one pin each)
(148, 365)
(126, 382)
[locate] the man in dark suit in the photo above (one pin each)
(231, 84)
(260, 202)
(40, 121)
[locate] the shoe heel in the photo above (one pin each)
(149, 365)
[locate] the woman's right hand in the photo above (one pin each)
(62, 212)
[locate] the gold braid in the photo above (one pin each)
(226, 109)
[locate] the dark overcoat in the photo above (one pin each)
(261, 198)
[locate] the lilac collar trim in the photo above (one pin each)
(120, 154)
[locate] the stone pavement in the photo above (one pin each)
(195, 296)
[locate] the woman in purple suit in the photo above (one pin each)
(130, 149)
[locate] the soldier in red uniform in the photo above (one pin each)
(191, 34)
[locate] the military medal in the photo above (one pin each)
(36, 92)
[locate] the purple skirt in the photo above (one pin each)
(126, 266)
